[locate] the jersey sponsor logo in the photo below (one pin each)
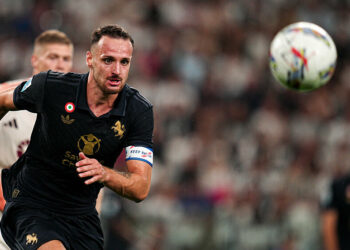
(69, 159)
(69, 107)
(66, 119)
(139, 153)
(89, 144)
(27, 85)
(31, 239)
(119, 129)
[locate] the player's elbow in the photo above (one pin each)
(138, 199)
(140, 196)
(141, 193)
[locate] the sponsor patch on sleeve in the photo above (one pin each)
(26, 85)
(139, 153)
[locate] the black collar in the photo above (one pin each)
(119, 106)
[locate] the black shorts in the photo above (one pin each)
(29, 228)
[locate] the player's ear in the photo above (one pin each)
(89, 58)
(34, 61)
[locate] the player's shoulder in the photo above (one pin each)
(136, 100)
(68, 78)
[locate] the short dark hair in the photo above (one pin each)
(114, 31)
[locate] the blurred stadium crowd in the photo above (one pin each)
(240, 162)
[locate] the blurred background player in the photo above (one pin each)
(336, 215)
(52, 50)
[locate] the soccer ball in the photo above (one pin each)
(302, 56)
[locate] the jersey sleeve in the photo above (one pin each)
(29, 95)
(141, 132)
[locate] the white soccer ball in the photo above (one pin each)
(303, 56)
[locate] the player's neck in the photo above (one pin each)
(99, 102)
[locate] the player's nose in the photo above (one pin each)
(62, 66)
(117, 68)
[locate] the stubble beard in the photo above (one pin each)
(101, 85)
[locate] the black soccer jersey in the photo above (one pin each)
(338, 198)
(66, 126)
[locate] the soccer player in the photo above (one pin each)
(336, 215)
(83, 123)
(52, 50)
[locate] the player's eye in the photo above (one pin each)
(53, 56)
(108, 60)
(125, 61)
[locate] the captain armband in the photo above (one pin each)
(139, 153)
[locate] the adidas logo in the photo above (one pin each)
(66, 119)
(11, 124)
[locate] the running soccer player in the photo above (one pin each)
(83, 123)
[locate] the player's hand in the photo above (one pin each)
(2, 199)
(90, 167)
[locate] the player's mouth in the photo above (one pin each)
(114, 81)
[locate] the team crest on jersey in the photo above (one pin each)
(31, 239)
(66, 119)
(119, 129)
(89, 144)
(69, 107)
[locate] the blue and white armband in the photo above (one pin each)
(139, 153)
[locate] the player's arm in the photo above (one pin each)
(133, 184)
(329, 231)
(11, 85)
(6, 90)
(6, 101)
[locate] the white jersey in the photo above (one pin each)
(15, 131)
